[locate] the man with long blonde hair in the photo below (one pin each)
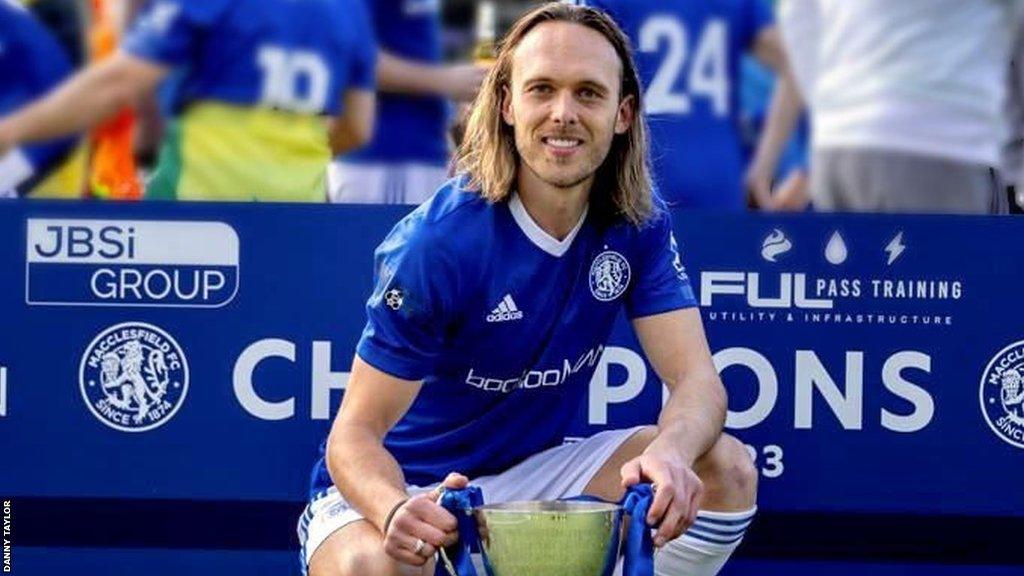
(492, 304)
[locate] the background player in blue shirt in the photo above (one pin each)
(492, 304)
(260, 80)
(407, 158)
(31, 63)
(688, 53)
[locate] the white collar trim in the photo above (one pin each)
(537, 235)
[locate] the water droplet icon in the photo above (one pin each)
(836, 251)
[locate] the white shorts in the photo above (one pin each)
(559, 472)
(400, 183)
(15, 168)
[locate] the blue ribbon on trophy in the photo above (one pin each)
(456, 560)
(639, 546)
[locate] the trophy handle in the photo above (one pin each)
(639, 549)
(461, 504)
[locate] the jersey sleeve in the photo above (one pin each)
(32, 56)
(757, 17)
(662, 284)
(168, 32)
(363, 72)
(32, 61)
(412, 300)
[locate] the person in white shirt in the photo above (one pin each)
(1012, 166)
(906, 101)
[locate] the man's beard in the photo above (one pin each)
(563, 183)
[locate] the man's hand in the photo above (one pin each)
(677, 490)
(421, 518)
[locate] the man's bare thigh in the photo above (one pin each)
(607, 482)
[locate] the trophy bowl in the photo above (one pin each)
(550, 538)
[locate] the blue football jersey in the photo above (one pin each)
(294, 55)
(409, 128)
(32, 62)
(688, 54)
(503, 324)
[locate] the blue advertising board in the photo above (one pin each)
(163, 351)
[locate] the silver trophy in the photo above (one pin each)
(541, 538)
(549, 538)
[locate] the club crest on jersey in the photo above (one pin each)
(133, 377)
(609, 276)
(1002, 394)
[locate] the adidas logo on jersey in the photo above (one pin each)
(505, 311)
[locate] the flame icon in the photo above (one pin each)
(775, 245)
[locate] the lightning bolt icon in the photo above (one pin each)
(895, 247)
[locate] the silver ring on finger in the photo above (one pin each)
(420, 545)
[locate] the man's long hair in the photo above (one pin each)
(622, 184)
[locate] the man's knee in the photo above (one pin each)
(729, 475)
(352, 551)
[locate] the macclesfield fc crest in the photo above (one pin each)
(609, 276)
(1002, 394)
(133, 377)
